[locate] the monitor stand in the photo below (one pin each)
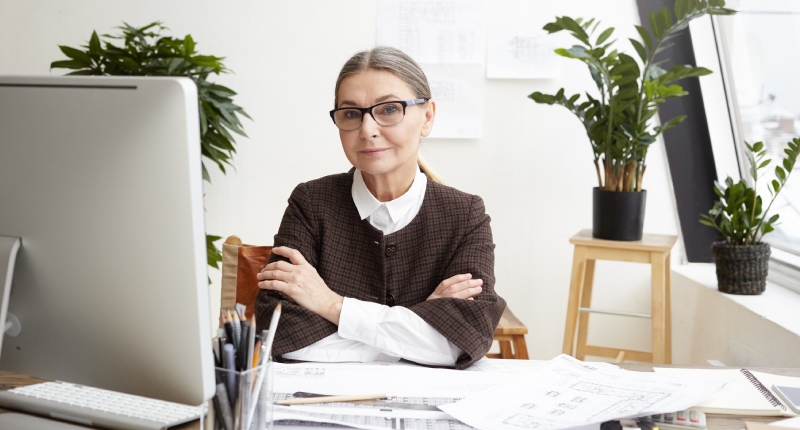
(8, 256)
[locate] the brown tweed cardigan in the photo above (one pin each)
(450, 235)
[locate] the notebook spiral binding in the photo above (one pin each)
(762, 389)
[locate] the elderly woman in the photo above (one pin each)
(380, 263)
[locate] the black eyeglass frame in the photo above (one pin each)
(368, 110)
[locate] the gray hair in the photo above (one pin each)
(391, 60)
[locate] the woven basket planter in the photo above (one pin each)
(741, 269)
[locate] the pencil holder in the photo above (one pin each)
(243, 398)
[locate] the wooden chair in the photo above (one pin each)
(510, 334)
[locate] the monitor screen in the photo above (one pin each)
(101, 181)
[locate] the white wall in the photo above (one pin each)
(745, 331)
(533, 165)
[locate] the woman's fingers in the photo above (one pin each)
(456, 279)
(460, 286)
(275, 285)
(447, 283)
(299, 281)
(292, 254)
(467, 289)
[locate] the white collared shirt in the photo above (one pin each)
(371, 331)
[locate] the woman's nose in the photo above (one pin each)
(369, 128)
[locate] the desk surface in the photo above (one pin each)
(9, 380)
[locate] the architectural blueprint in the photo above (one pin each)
(566, 392)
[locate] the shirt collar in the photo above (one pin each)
(366, 203)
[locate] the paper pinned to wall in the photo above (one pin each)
(458, 93)
(432, 31)
(522, 53)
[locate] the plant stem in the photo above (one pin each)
(761, 221)
(597, 170)
(640, 168)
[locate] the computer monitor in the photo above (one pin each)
(101, 184)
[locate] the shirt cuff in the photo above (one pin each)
(358, 320)
(395, 331)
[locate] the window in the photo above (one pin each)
(759, 62)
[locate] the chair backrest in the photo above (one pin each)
(240, 265)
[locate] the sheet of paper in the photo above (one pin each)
(416, 393)
(458, 93)
(522, 53)
(739, 394)
(517, 367)
(791, 423)
(365, 420)
(400, 380)
(566, 392)
(432, 31)
(299, 421)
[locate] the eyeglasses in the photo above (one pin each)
(386, 113)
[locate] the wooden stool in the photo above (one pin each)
(510, 332)
(653, 249)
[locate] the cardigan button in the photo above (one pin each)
(390, 299)
(391, 249)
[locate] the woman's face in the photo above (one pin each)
(383, 150)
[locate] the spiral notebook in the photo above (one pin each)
(747, 392)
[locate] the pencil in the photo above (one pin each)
(273, 325)
(257, 351)
(251, 342)
(237, 328)
(329, 399)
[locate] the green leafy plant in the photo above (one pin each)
(738, 214)
(618, 120)
(145, 52)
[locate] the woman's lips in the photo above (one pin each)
(370, 152)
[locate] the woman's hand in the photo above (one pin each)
(301, 282)
(458, 287)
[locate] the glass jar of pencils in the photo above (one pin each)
(243, 399)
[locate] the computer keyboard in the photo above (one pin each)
(96, 407)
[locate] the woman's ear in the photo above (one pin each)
(430, 114)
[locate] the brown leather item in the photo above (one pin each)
(241, 263)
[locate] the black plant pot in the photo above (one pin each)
(741, 269)
(618, 215)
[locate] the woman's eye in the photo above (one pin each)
(352, 114)
(389, 109)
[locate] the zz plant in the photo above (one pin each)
(739, 213)
(618, 119)
(145, 52)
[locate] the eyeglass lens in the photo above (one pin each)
(384, 114)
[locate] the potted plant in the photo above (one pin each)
(739, 215)
(618, 120)
(144, 52)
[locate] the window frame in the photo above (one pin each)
(725, 129)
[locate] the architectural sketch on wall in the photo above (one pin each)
(522, 53)
(458, 92)
(432, 32)
(446, 39)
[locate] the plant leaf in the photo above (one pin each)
(604, 35)
(645, 35)
(76, 55)
(639, 49)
